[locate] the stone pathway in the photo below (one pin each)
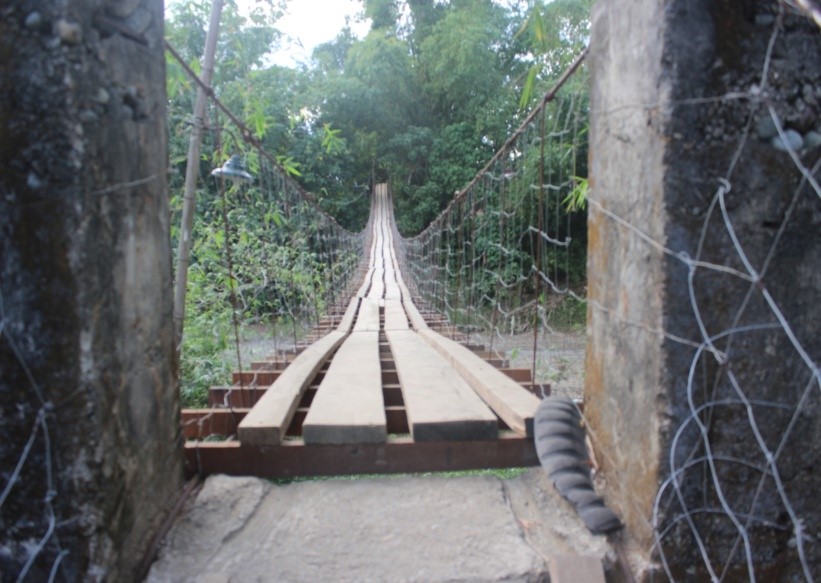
(425, 529)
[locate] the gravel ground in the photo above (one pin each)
(559, 358)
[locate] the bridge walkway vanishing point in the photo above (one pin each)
(380, 390)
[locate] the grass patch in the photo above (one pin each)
(501, 473)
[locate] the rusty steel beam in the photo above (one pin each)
(397, 421)
(269, 365)
(199, 423)
(235, 396)
(520, 375)
(399, 455)
(261, 378)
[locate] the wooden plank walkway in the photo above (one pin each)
(265, 424)
(439, 403)
(379, 391)
(348, 406)
(502, 394)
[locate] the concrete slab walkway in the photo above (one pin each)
(425, 529)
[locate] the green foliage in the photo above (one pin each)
(383, 13)
(576, 200)
(289, 165)
(555, 33)
(567, 313)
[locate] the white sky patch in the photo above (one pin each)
(309, 23)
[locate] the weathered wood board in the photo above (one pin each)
(439, 403)
(395, 317)
(368, 318)
(268, 421)
(348, 406)
(510, 401)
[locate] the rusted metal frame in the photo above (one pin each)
(199, 423)
(399, 455)
(268, 365)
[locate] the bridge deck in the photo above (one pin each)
(378, 392)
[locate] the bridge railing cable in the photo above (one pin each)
(304, 260)
(501, 253)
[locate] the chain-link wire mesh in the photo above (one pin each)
(35, 460)
(736, 501)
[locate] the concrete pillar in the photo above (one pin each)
(680, 113)
(90, 458)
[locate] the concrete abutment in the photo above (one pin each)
(686, 163)
(89, 417)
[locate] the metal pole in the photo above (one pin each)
(192, 171)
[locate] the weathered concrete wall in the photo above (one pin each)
(85, 312)
(623, 373)
(675, 108)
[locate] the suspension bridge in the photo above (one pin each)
(385, 386)
(394, 377)
(701, 375)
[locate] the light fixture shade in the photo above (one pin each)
(233, 170)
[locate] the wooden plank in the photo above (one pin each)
(392, 290)
(399, 455)
(416, 319)
(439, 403)
(347, 320)
(267, 422)
(366, 283)
(348, 406)
(397, 421)
(395, 317)
(368, 318)
(377, 285)
(575, 569)
(505, 396)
